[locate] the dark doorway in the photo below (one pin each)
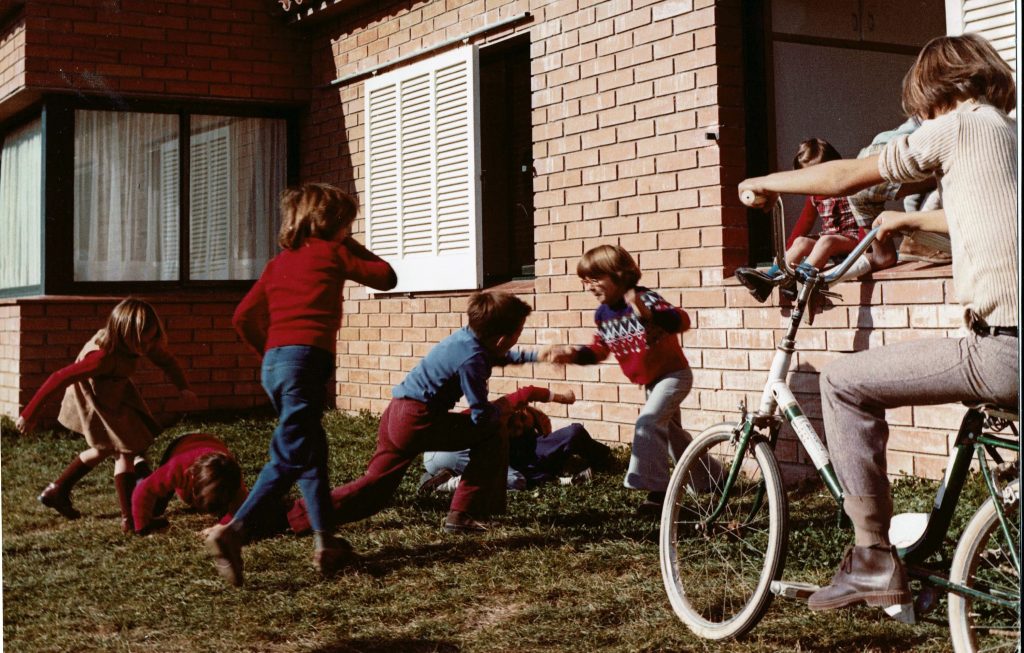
(506, 151)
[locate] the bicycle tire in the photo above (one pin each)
(720, 601)
(982, 562)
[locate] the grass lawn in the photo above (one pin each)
(567, 569)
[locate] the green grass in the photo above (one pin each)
(566, 569)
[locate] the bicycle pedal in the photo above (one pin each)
(793, 589)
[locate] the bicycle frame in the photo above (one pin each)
(971, 442)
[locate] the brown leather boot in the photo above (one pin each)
(57, 495)
(872, 575)
(125, 484)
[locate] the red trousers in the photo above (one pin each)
(407, 429)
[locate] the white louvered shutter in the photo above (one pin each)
(993, 19)
(422, 191)
(209, 204)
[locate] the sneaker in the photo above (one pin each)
(224, 544)
(579, 478)
(462, 522)
(757, 282)
(55, 497)
(335, 554)
(913, 250)
(431, 484)
(871, 575)
(651, 506)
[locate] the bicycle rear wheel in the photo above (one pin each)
(718, 577)
(983, 562)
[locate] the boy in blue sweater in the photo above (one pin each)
(418, 418)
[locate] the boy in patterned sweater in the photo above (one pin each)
(639, 327)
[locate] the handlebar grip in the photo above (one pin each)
(752, 199)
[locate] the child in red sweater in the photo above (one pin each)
(103, 404)
(291, 316)
(201, 470)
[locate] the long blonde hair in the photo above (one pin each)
(314, 211)
(126, 324)
(950, 69)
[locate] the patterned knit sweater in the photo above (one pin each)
(972, 152)
(646, 351)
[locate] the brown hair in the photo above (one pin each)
(126, 324)
(954, 68)
(215, 479)
(813, 151)
(314, 211)
(495, 314)
(611, 261)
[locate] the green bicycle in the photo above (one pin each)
(723, 547)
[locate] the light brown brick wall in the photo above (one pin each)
(12, 57)
(624, 95)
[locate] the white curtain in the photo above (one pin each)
(238, 170)
(125, 196)
(127, 217)
(21, 174)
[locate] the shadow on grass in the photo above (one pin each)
(375, 645)
(459, 549)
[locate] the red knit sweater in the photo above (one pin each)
(297, 300)
(172, 477)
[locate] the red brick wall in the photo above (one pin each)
(42, 334)
(225, 49)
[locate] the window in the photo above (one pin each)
(435, 161)
(21, 221)
(129, 218)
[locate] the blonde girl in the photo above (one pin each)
(291, 317)
(103, 404)
(962, 90)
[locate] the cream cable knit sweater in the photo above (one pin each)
(972, 151)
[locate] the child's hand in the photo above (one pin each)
(23, 426)
(567, 397)
(888, 223)
(557, 354)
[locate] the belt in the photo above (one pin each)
(985, 330)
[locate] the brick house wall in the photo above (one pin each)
(625, 93)
(12, 58)
(637, 112)
(214, 49)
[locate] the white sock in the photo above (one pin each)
(859, 267)
(450, 484)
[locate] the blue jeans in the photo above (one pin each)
(659, 433)
(295, 378)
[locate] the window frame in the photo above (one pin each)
(58, 127)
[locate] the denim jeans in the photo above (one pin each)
(659, 433)
(295, 378)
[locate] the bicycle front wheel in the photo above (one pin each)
(718, 572)
(984, 562)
